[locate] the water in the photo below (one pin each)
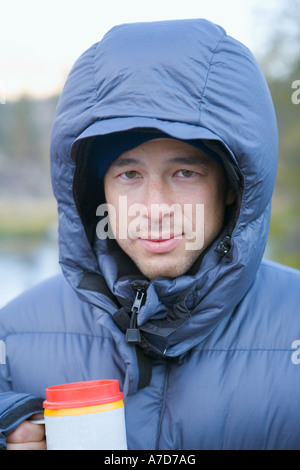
(26, 261)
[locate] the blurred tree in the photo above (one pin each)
(281, 64)
(18, 130)
(279, 30)
(25, 128)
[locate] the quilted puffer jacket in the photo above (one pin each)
(218, 364)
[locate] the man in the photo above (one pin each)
(164, 154)
(166, 174)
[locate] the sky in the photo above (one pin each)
(41, 39)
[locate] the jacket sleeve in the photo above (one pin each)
(14, 409)
(16, 405)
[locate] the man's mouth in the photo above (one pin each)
(160, 244)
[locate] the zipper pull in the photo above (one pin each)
(223, 246)
(133, 334)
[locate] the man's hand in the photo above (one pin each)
(28, 436)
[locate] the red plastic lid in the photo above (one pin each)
(77, 394)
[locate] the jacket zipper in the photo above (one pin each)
(133, 334)
(223, 246)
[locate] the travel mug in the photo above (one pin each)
(85, 416)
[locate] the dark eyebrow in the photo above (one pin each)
(199, 160)
(123, 162)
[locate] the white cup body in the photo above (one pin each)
(92, 431)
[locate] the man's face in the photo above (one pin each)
(169, 200)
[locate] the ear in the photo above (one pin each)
(230, 195)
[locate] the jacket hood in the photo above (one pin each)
(190, 80)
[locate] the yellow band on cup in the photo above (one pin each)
(84, 409)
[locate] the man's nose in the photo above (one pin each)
(158, 201)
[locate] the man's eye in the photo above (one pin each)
(185, 173)
(130, 174)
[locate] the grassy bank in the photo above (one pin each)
(283, 236)
(26, 217)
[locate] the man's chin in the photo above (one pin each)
(169, 264)
(165, 268)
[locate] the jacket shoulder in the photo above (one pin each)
(269, 313)
(275, 294)
(267, 318)
(285, 278)
(43, 307)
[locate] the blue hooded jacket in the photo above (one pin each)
(217, 367)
